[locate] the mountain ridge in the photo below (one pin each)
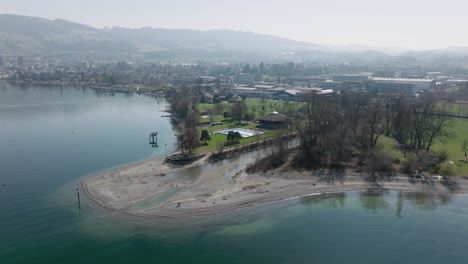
(35, 36)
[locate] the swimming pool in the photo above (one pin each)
(245, 133)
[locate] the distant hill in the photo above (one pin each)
(23, 35)
(454, 51)
(31, 35)
(150, 39)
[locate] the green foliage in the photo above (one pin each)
(255, 108)
(408, 165)
(205, 136)
(453, 145)
(234, 136)
(447, 169)
(464, 146)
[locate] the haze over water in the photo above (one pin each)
(59, 135)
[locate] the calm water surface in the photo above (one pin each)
(51, 137)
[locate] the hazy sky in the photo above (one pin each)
(415, 24)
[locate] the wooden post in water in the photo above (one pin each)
(153, 139)
(78, 194)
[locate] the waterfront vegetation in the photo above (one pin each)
(451, 146)
(345, 173)
(40, 214)
(377, 135)
(218, 141)
(255, 108)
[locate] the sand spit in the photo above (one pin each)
(154, 189)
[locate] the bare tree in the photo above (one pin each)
(438, 128)
(238, 110)
(325, 132)
(218, 109)
(379, 164)
(211, 114)
(425, 124)
(188, 137)
(374, 123)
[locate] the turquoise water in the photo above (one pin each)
(59, 135)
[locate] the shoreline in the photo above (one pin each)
(154, 189)
(150, 91)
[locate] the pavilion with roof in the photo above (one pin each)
(273, 120)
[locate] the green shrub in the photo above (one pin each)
(447, 169)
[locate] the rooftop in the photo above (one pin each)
(273, 117)
(379, 79)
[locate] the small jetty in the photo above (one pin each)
(153, 139)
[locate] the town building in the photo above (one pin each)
(399, 86)
(350, 82)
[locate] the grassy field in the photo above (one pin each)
(255, 106)
(451, 146)
(454, 108)
(219, 139)
(388, 144)
(262, 107)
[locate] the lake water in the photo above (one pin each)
(51, 137)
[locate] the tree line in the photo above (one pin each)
(334, 130)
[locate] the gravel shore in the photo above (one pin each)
(155, 189)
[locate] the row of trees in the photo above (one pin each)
(332, 130)
(418, 123)
(184, 106)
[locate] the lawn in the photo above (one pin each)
(262, 107)
(256, 106)
(219, 139)
(451, 146)
(388, 144)
(454, 108)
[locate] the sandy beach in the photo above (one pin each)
(155, 189)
